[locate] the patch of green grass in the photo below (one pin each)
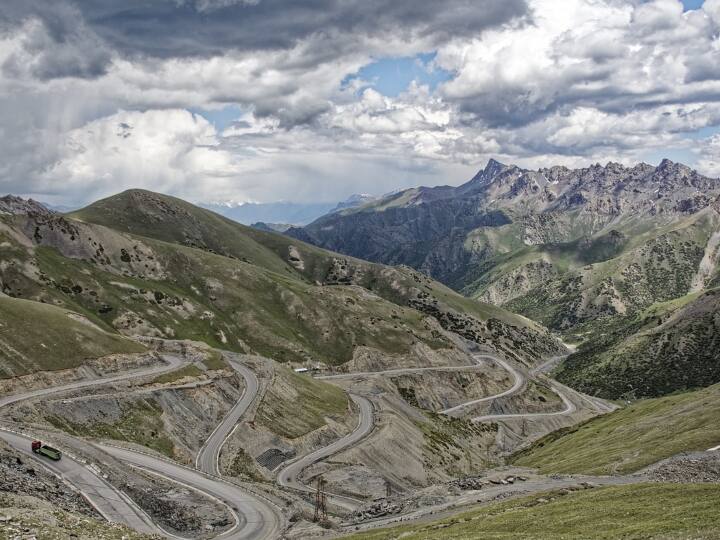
(446, 441)
(298, 404)
(243, 466)
(214, 361)
(39, 337)
(640, 511)
(172, 376)
(631, 438)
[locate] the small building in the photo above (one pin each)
(301, 370)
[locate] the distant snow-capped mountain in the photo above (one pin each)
(289, 213)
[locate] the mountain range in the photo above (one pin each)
(597, 254)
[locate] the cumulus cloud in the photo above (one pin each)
(173, 150)
(610, 55)
(709, 162)
(49, 40)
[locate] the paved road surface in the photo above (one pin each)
(518, 382)
(208, 457)
(289, 476)
(173, 362)
(569, 409)
(256, 519)
(112, 505)
(399, 371)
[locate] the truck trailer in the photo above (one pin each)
(45, 450)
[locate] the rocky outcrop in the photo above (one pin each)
(11, 204)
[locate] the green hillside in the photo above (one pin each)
(668, 511)
(147, 264)
(38, 337)
(667, 347)
(629, 439)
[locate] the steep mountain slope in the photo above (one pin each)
(529, 239)
(37, 337)
(142, 263)
(668, 347)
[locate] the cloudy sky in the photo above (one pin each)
(312, 100)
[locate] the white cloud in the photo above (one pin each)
(580, 81)
(709, 162)
(170, 150)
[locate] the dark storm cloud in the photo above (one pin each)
(56, 42)
(74, 35)
(169, 29)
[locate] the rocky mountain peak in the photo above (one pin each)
(483, 177)
(11, 204)
(493, 168)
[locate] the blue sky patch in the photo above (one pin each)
(692, 4)
(392, 76)
(220, 118)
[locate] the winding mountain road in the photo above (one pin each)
(518, 383)
(110, 502)
(172, 363)
(256, 519)
(209, 455)
(289, 476)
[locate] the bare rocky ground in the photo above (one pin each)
(21, 476)
(23, 518)
(690, 467)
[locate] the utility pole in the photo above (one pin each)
(320, 501)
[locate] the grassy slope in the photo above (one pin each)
(640, 269)
(631, 438)
(635, 511)
(604, 291)
(273, 314)
(175, 221)
(39, 337)
(297, 404)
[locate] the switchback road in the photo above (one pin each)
(256, 518)
(289, 476)
(208, 458)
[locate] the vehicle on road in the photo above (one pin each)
(44, 450)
